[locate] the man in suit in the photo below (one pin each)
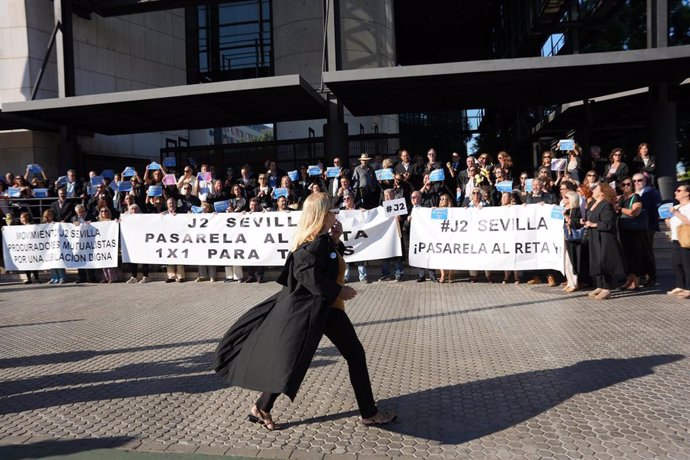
(63, 210)
(453, 171)
(408, 170)
(464, 175)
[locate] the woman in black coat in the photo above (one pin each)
(271, 346)
(605, 258)
(616, 169)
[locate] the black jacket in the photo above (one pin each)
(270, 347)
(64, 213)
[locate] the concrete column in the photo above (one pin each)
(662, 126)
(657, 23)
(662, 138)
(64, 48)
(335, 135)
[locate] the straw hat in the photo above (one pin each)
(364, 156)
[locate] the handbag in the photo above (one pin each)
(684, 235)
(574, 234)
(641, 222)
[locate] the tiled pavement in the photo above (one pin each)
(475, 370)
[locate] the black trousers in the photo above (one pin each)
(603, 281)
(650, 260)
(340, 331)
(680, 261)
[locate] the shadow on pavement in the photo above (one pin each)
(53, 448)
(73, 356)
(40, 324)
(184, 375)
(458, 413)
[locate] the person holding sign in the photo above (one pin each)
(398, 268)
(605, 259)
(111, 274)
(57, 275)
(25, 219)
(176, 273)
(445, 201)
(680, 256)
(271, 346)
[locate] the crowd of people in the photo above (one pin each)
(610, 207)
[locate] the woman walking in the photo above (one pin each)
(270, 347)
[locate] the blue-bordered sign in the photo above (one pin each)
(437, 175)
(155, 190)
(439, 213)
(221, 206)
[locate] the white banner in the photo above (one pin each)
(369, 235)
(250, 239)
(491, 238)
(60, 245)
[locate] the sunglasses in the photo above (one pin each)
(626, 184)
(638, 180)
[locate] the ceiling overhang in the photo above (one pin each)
(231, 103)
(505, 82)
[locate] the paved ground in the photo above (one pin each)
(475, 370)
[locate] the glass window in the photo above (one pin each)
(232, 41)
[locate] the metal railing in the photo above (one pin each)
(35, 206)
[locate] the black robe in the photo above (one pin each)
(270, 347)
(604, 249)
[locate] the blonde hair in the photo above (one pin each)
(314, 212)
(573, 200)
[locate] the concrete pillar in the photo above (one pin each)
(662, 138)
(366, 39)
(662, 124)
(335, 136)
(64, 48)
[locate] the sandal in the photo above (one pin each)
(262, 417)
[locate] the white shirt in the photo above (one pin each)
(676, 222)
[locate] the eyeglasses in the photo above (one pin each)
(638, 180)
(187, 170)
(626, 184)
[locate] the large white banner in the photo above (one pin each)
(60, 245)
(369, 235)
(491, 238)
(245, 239)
